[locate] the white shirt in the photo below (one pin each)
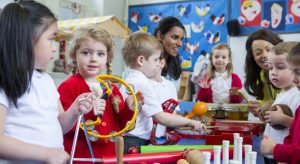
(220, 86)
(164, 90)
(152, 105)
(35, 120)
(290, 98)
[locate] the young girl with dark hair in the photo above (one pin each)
(32, 120)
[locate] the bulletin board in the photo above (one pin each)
(281, 16)
(204, 21)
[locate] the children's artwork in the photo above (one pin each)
(276, 15)
(204, 22)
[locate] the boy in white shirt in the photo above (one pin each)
(167, 94)
(281, 77)
(141, 53)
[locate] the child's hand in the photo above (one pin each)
(235, 91)
(99, 106)
(275, 117)
(267, 145)
(203, 82)
(84, 103)
(197, 125)
(140, 98)
(56, 156)
(254, 108)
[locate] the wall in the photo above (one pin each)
(93, 8)
(237, 44)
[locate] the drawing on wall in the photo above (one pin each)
(250, 12)
(70, 10)
(204, 22)
(293, 12)
(276, 15)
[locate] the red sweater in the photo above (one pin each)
(289, 151)
(205, 94)
(69, 90)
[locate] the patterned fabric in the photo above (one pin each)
(171, 136)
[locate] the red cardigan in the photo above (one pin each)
(289, 151)
(205, 94)
(111, 121)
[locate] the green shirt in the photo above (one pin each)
(268, 89)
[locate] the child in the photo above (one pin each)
(32, 120)
(281, 77)
(216, 85)
(91, 50)
(141, 54)
(166, 93)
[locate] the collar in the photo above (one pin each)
(224, 74)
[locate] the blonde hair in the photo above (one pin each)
(211, 69)
(139, 43)
(91, 32)
(283, 47)
(294, 55)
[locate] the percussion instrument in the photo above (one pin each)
(285, 109)
(83, 125)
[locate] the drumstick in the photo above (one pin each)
(119, 149)
(244, 95)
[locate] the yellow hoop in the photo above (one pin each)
(131, 123)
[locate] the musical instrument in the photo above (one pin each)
(83, 125)
(229, 111)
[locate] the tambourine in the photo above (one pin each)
(130, 125)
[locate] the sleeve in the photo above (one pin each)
(287, 153)
(152, 104)
(67, 97)
(203, 94)
(236, 83)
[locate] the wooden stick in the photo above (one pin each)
(244, 95)
(119, 149)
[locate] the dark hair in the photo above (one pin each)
(172, 67)
(21, 26)
(253, 82)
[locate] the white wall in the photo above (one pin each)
(4, 2)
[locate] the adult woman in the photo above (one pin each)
(257, 82)
(170, 32)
